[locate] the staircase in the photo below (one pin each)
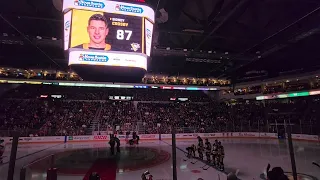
(140, 128)
(95, 122)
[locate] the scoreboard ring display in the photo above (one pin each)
(107, 38)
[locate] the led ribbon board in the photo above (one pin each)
(108, 33)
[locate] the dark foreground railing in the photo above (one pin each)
(48, 160)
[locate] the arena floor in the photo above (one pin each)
(75, 160)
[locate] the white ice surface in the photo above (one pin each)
(250, 156)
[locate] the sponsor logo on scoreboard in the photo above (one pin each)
(116, 59)
(88, 3)
(135, 46)
(127, 8)
(67, 26)
(149, 34)
(93, 58)
(130, 60)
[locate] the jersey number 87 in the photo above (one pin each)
(124, 34)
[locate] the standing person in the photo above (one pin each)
(221, 157)
(117, 140)
(127, 137)
(216, 142)
(208, 150)
(200, 147)
(215, 154)
(135, 137)
(112, 143)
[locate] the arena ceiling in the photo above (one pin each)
(204, 38)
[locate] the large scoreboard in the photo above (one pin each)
(107, 33)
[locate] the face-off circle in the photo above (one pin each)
(130, 159)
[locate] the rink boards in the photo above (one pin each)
(187, 136)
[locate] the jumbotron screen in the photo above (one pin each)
(107, 33)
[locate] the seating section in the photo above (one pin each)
(83, 110)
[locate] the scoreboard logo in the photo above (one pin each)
(93, 58)
(149, 33)
(88, 3)
(126, 8)
(135, 47)
(67, 26)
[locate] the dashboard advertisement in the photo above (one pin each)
(108, 33)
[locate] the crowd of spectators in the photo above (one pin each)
(300, 115)
(69, 118)
(42, 117)
(23, 115)
(117, 113)
(26, 112)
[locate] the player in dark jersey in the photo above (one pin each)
(208, 150)
(112, 143)
(117, 140)
(98, 31)
(220, 157)
(146, 176)
(135, 139)
(191, 151)
(200, 147)
(216, 142)
(215, 154)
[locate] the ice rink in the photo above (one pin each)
(249, 156)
